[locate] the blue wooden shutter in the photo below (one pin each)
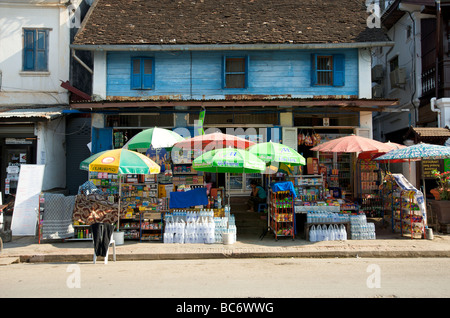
(247, 65)
(41, 50)
(136, 73)
(29, 50)
(224, 72)
(339, 70)
(147, 73)
(102, 139)
(313, 69)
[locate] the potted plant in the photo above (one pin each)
(443, 181)
(442, 203)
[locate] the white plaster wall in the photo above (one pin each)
(365, 73)
(33, 88)
(408, 51)
(99, 76)
(51, 152)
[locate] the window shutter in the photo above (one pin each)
(28, 54)
(135, 73)
(41, 50)
(224, 72)
(339, 70)
(147, 71)
(313, 69)
(247, 65)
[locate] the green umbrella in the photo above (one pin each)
(230, 160)
(274, 152)
(153, 137)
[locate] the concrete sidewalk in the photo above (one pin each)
(27, 249)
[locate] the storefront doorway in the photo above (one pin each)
(15, 152)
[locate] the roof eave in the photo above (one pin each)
(228, 47)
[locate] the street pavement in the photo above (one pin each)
(387, 244)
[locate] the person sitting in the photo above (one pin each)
(257, 196)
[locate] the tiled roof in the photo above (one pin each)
(113, 22)
(431, 132)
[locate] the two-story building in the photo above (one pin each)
(34, 59)
(414, 71)
(267, 70)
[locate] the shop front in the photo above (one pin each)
(31, 136)
(328, 185)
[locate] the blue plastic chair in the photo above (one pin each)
(261, 207)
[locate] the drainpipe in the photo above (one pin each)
(435, 109)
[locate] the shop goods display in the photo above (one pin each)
(281, 212)
(317, 217)
(332, 232)
(404, 207)
(188, 227)
(360, 229)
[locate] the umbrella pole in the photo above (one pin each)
(120, 197)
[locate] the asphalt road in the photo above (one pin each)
(232, 278)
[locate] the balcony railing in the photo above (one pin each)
(428, 81)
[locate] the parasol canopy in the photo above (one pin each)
(352, 143)
(418, 151)
(155, 138)
(229, 160)
(120, 161)
(371, 155)
(215, 140)
(271, 152)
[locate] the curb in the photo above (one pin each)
(44, 258)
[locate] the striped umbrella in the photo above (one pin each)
(120, 161)
(153, 137)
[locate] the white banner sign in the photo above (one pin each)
(26, 206)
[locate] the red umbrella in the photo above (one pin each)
(215, 140)
(352, 143)
(371, 155)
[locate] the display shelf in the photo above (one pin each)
(281, 214)
(308, 188)
(369, 193)
(412, 223)
(81, 232)
(151, 227)
(401, 207)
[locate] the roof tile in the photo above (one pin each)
(112, 22)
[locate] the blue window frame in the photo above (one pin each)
(328, 70)
(142, 73)
(235, 72)
(35, 50)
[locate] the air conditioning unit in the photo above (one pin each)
(377, 91)
(377, 73)
(398, 77)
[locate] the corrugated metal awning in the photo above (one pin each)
(25, 112)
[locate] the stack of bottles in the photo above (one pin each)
(360, 229)
(186, 227)
(316, 217)
(332, 232)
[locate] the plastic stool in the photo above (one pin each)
(261, 207)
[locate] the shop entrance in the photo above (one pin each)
(15, 152)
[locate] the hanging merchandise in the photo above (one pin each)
(316, 138)
(301, 138)
(308, 140)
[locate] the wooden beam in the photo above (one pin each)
(360, 104)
